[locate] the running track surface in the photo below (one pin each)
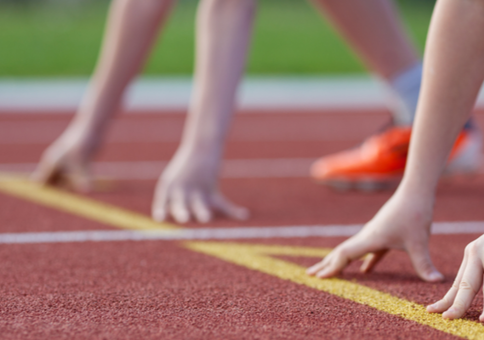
(234, 288)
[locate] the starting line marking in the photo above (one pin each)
(446, 228)
(258, 258)
(250, 256)
(78, 205)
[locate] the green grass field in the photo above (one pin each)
(289, 38)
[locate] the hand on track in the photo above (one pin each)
(402, 224)
(466, 285)
(65, 163)
(188, 188)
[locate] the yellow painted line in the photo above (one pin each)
(77, 205)
(257, 257)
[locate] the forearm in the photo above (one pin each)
(131, 29)
(453, 74)
(375, 32)
(223, 34)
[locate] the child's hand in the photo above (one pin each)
(65, 162)
(403, 223)
(189, 188)
(466, 285)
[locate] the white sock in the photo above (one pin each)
(407, 87)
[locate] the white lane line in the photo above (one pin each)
(162, 94)
(231, 168)
(440, 228)
(158, 94)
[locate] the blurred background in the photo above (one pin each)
(61, 38)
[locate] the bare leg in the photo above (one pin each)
(189, 184)
(374, 30)
(376, 33)
(131, 29)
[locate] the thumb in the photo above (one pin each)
(47, 172)
(422, 263)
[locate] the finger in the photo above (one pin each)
(159, 207)
(468, 289)
(335, 265)
(200, 207)
(350, 250)
(448, 299)
(230, 209)
(320, 265)
(481, 318)
(420, 257)
(178, 206)
(372, 259)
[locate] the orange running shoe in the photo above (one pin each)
(380, 161)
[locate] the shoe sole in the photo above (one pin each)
(366, 184)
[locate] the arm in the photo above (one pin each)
(132, 27)
(453, 74)
(189, 185)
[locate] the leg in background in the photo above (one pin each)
(376, 33)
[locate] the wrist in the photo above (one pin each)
(193, 162)
(420, 196)
(81, 138)
(414, 186)
(203, 147)
(199, 154)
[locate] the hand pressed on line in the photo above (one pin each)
(402, 224)
(66, 162)
(189, 188)
(466, 285)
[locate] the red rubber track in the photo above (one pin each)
(159, 289)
